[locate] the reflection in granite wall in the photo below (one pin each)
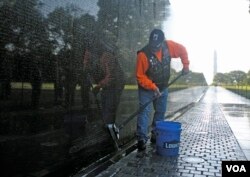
(49, 117)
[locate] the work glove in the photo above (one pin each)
(96, 90)
(185, 71)
(157, 93)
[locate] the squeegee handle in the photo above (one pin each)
(136, 113)
(177, 77)
(141, 108)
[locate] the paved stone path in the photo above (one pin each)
(206, 140)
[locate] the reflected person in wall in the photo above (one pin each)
(101, 65)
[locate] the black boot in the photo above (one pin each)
(141, 145)
(153, 139)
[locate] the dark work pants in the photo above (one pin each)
(110, 102)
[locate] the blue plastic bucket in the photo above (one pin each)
(168, 138)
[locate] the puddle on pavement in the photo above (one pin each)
(202, 133)
(238, 114)
(236, 110)
(193, 159)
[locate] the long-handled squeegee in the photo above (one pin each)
(114, 130)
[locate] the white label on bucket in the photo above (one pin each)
(171, 145)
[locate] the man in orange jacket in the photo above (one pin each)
(152, 73)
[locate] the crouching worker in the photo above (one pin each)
(152, 74)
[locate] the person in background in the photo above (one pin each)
(86, 83)
(58, 85)
(69, 83)
(5, 79)
(152, 74)
(102, 66)
(36, 84)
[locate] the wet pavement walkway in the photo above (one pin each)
(236, 110)
(217, 128)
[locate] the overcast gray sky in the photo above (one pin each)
(207, 25)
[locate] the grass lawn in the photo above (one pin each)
(237, 87)
(241, 90)
(50, 86)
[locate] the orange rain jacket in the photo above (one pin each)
(109, 73)
(176, 50)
